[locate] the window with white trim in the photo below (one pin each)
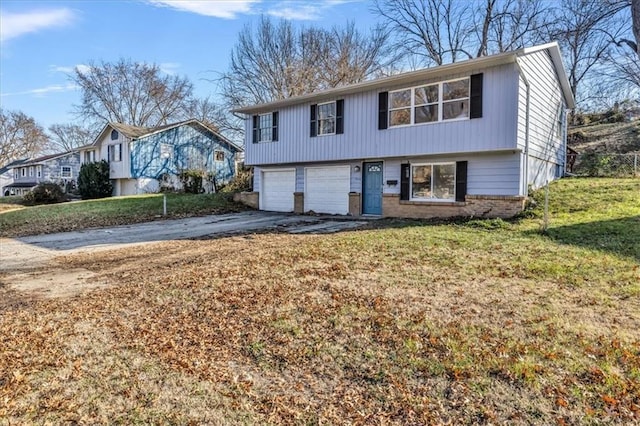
(327, 118)
(219, 156)
(443, 101)
(24, 171)
(31, 171)
(115, 152)
(39, 171)
(433, 182)
(265, 127)
(65, 172)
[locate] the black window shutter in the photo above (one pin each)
(339, 116)
(383, 105)
(274, 129)
(313, 126)
(476, 96)
(405, 174)
(461, 180)
(256, 119)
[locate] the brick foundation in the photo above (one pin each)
(354, 204)
(489, 206)
(298, 202)
(251, 199)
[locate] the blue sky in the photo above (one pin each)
(41, 42)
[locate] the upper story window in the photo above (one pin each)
(39, 171)
(114, 135)
(89, 156)
(219, 156)
(31, 171)
(115, 152)
(265, 127)
(65, 172)
(23, 171)
(16, 173)
(327, 118)
(448, 100)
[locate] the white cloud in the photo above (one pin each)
(227, 9)
(82, 68)
(169, 68)
(298, 10)
(17, 24)
(42, 91)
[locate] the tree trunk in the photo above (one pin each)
(635, 18)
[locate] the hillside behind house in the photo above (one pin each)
(605, 138)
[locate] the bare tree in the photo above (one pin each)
(133, 93)
(277, 61)
(20, 136)
(442, 31)
(217, 117)
(67, 137)
(586, 30)
(435, 30)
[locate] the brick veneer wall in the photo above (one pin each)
(354, 204)
(251, 199)
(298, 202)
(489, 206)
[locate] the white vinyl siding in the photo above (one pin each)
(327, 189)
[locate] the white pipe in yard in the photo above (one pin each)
(164, 204)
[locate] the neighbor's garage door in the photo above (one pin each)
(278, 187)
(327, 189)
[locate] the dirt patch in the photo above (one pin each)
(54, 283)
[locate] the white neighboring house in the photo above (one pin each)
(462, 139)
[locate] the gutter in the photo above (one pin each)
(525, 183)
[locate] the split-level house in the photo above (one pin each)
(62, 168)
(141, 160)
(464, 139)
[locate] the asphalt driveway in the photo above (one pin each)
(26, 252)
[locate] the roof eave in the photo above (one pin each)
(456, 67)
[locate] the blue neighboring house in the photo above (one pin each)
(143, 160)
(463, 139)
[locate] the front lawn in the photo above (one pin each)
(472, 322)
(109, 212)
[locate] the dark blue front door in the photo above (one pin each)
(372, 188)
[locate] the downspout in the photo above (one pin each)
(525, 182)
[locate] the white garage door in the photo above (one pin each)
(327, 189)
(278, 187)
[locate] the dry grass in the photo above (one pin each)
(470, 323)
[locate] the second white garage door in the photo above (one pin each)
(278, 187)
(327, 189)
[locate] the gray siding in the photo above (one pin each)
(546, 135)
(51, 170)
(490, 174)
(496, 130)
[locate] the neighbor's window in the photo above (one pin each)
(114, 135)
(115, 152)
(31, 170)
(265, 127)
(39, 171)
(327, 118)
(433, 181)
(24, 171)
(89, 156)
(447, 100)
(219, 155)
(66, 172)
